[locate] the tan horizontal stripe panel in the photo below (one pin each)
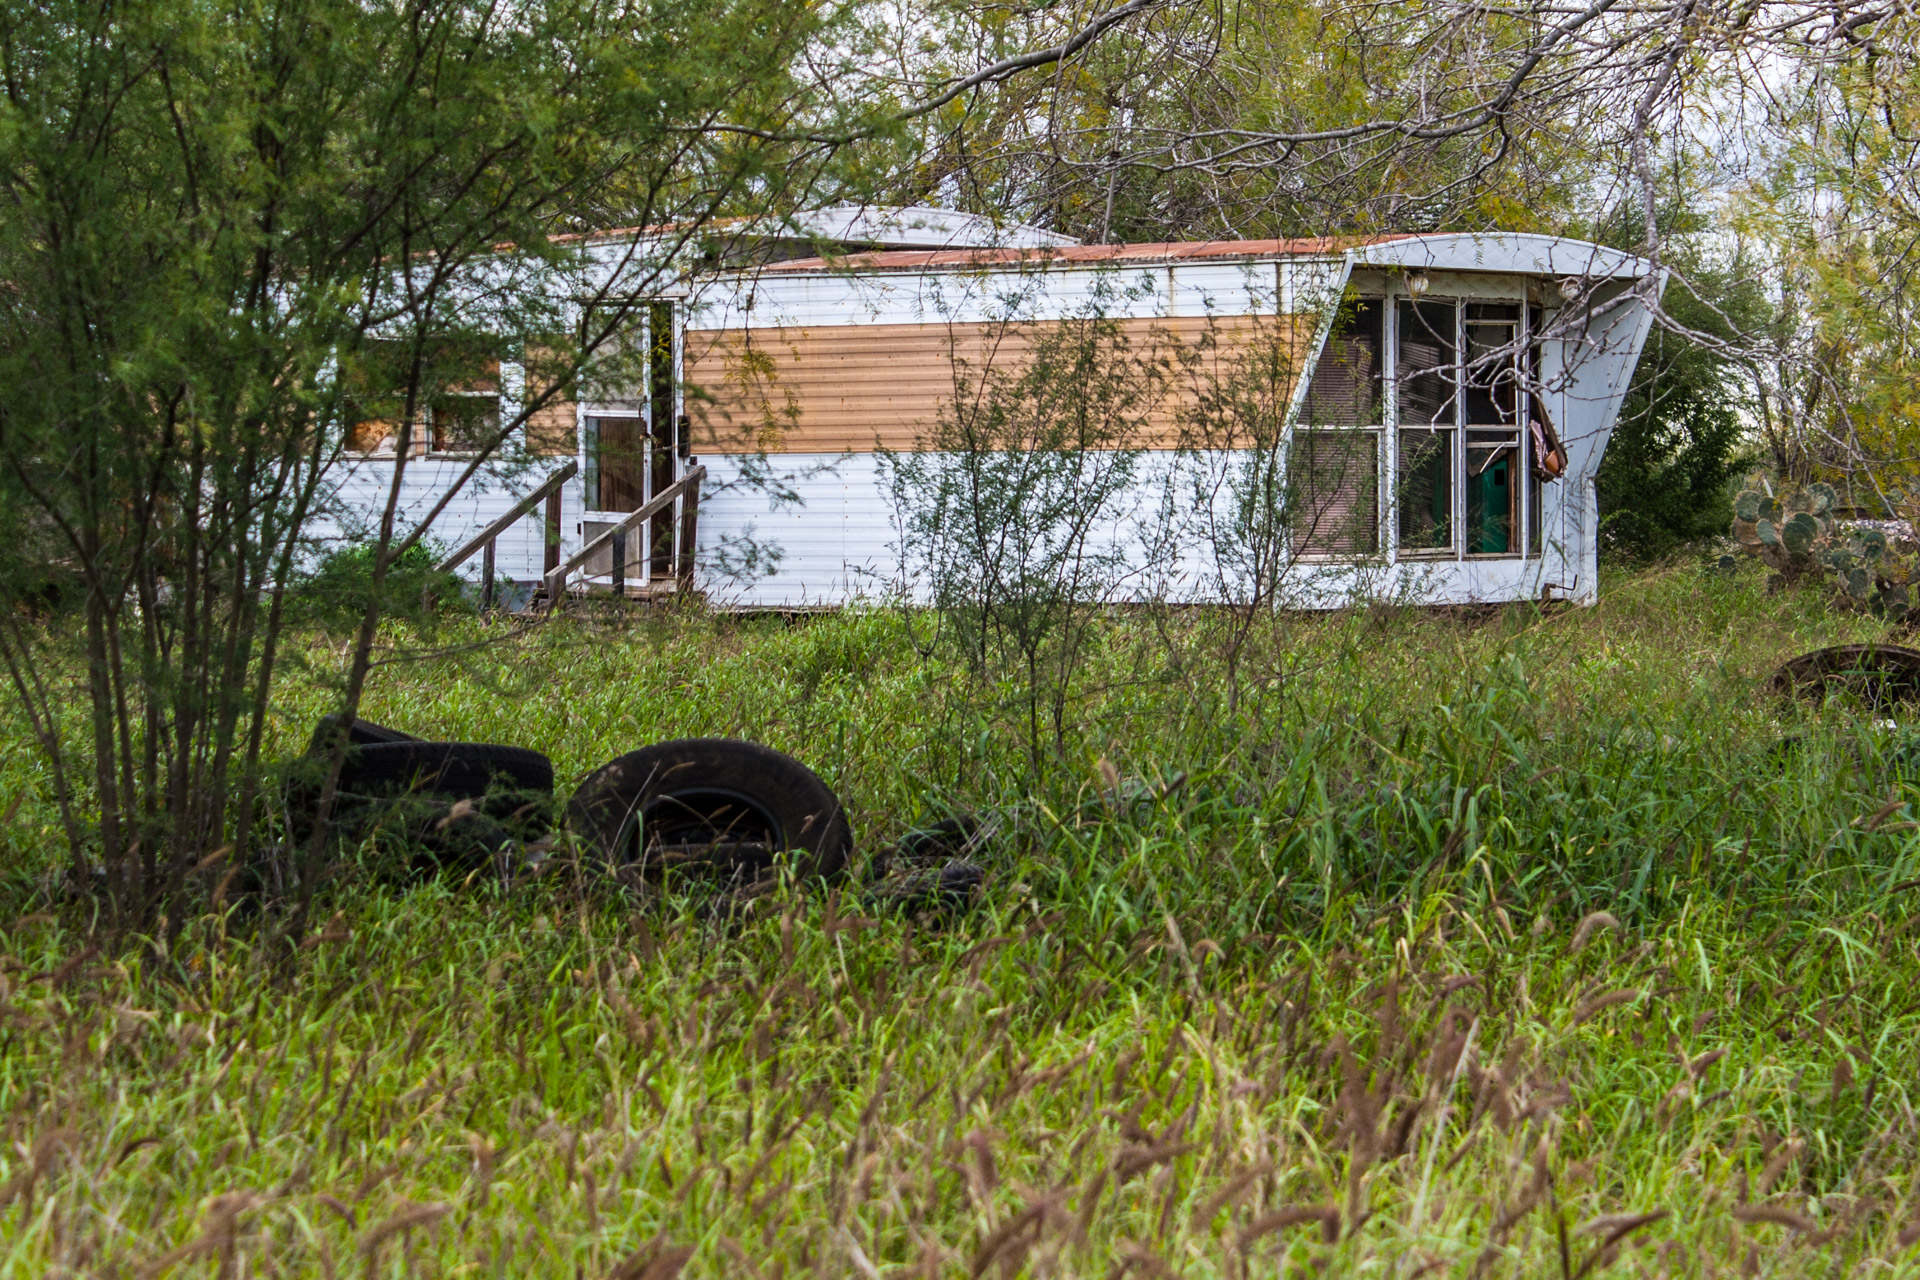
(850, 388)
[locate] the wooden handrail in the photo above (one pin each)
(505, 522)
(688, 484)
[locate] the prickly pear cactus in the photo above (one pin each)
(1788, 530)
(1794, 532)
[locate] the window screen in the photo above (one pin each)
(1427, 357)
(1336, 505)
(1426, 490)
(1346, 378)
(1536, 497)
(1493, 351)
(616, 451)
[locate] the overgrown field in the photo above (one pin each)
(1522, 944)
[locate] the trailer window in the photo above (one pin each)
(1426, 357)
(463, 422)
(1492, 369)
(1334, 498)
(1347, 377)
(1428, 363)
(1426, 489)
(1334, 502)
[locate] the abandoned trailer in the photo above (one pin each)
(1432, 407)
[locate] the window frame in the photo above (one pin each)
(1461, 292)
(1377, 429)
(1452, 430)
(432, 448)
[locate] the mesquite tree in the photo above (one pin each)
(222, 223)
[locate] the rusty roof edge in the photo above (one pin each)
(1092, 254)
(1492, 251)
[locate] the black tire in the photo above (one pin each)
(953, 837)
(1877, 674)
(720, 793)
(455, 770)
(508, 785)
(950, 888)
(363, 733)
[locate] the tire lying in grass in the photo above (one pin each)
(1876, 673)
(455, 804)
(452, 770)
(362, 733)
(710, 806)
(948, 838)
(951, 887)
(931, 867)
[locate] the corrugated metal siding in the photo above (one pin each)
(841, 388)
(980, 297)
(358, 496)
(837, 547)
(842, 545)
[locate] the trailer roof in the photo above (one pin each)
(1163, 251)
(1448, 251)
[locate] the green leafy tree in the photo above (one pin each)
(1017, 514)
(228, 232)
(1684, 435)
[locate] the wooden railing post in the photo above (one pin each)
(548, 490)
(552, 560)
(689, 529)
(615, 539)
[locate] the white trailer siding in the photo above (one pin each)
(358, 489)
(841, 541)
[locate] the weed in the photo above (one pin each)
(1503, 947)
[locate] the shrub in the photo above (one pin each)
(413, 589)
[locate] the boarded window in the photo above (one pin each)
(1335, 483)
(1346, 378)
(1427, 363)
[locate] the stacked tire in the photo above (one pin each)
(718, 815)
(441, 805)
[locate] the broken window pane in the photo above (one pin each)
(1493, 479)
(1426, 490)
(1428, 350)
(1336, 507)
(370, 435)
(1346, 378)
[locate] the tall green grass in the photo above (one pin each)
(1514, 944)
